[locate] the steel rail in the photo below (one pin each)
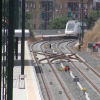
(79, 69)
(41, 74)
(56, 74)
(84, 62)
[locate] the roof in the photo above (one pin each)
(18, 32)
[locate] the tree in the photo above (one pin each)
(27, 18)
(92, 18)
(59, 23)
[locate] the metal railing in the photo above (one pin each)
(49, 32)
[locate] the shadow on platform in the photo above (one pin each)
(18, 62)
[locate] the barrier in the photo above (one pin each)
(19, 81)
(15, 82)
(39, 37)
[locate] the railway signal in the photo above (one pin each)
(76, 79)
(84, 90)
(50, 46)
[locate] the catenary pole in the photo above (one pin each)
(0, 44)
(10, 51)
(23, 37)
(82, 22)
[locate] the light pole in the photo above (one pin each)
(23, 37)
(82, 21)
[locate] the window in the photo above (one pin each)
(70, 27)
(31, 5)
(50, 6)
(34, 26)
(34, 5)
(40, 15)
(69, 14)
(91, 6)
(76, 16)
(34, 16)
(43, 26)
(43, 15)
(53, 15)
(26, 5)
(61, 5)
(76, 7)
(65, 5)
(40, 5)
(70, 6)
(43, 7)
(58, 15)
(31, 16)
(31, 25)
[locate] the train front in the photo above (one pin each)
(69, 31)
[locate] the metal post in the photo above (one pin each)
(10, 51)
(4, 87)
(16, 11)
(82, 21)
(0, 45)
(16, 47)
(23, 37)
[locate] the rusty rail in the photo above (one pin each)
(41, 74)
(80, 70)
(56, 75)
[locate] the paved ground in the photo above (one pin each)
(32, 90)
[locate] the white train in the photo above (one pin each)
(73, 28)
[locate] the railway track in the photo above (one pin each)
(78, 58)
(50, 57)
(57, 76)
(34, 53)
(43, 79)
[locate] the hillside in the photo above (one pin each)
(92, 35)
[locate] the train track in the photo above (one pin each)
(45, 85)
(50, 57)
(46, 88)
(56, 75)
(78, 58)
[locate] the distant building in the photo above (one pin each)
(96, 4)
(43, 11)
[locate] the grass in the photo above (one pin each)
(92, 35)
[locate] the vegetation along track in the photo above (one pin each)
(46, 87)
(72, 53)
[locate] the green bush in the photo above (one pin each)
(59, 23)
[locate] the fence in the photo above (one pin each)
(48, 32)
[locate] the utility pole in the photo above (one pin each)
(82, 5)
(10, 51)
(23, 37)
(16, 11)
(1, 46)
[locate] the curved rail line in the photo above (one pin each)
(56, 75)
(34, 53)
(84, 62)
(80, 70)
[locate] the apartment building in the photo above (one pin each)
(43, 11)
(96, 4)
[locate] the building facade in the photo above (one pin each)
(96, 4)
(43, 11)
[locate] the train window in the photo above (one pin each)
(70, 27)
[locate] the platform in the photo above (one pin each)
(32, 89)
